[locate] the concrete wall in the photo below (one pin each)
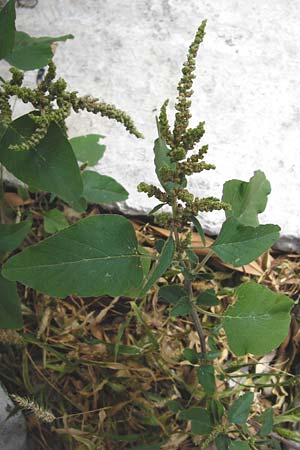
(129, 52)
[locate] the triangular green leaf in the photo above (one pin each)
(182, 308)
(96, 256)
(54, 220)
(31, 53)
(239, 245)
(258, 321)
(247, 199)
(191, 355)
(10, 305)
(239, 410)
(201, 422)
(208, 298)
(51, 166)
(12, 235)
(87, 148)
(7, 28)
(101, 188)
(172, 293)
(165, 260)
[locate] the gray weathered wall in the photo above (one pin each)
(129, 52)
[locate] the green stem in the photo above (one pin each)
(188, 283)
(2, 216)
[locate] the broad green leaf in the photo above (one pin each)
(239, 445)
(51, 166)
(239, 245)
(7, 28)
(199, 229)
(208, 298)
(54, 220)
(258, 321)
(247, 199)
(172, 293)
(201, 422)
(206, 377)
(12, 235)
(87, 148)
(97, 255)
(267, 422)
(239, 410)
(10, 305)
(182, 308)
(161, 266)
(101, 188)
(31, 53)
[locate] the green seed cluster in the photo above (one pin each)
(180, 141)
(53, 103)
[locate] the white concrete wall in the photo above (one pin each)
(129, 52)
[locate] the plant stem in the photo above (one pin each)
(2, 218)
(188, 283)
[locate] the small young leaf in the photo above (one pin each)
(239, 245)
(50, 167)
(163, 161)
(193, 258)
(165, 260)
(239, 411)
(12, 235)
(174, 406)
(7, 28)
(258, 321)
(199, 229)
(222, 442)
(10, 305)
(201, 422)
(101, 188)
(191, 355)
(267, 422)
(182, 308)
(207, 298)
(239, 445)
(155, 209)
(54, 220)
(216, 410)
(206, 377)
(87, 148)
(95, 256)
(247, 199)
(172, 293)
(31, 53)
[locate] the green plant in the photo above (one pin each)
(27, 144)
(104, 256)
